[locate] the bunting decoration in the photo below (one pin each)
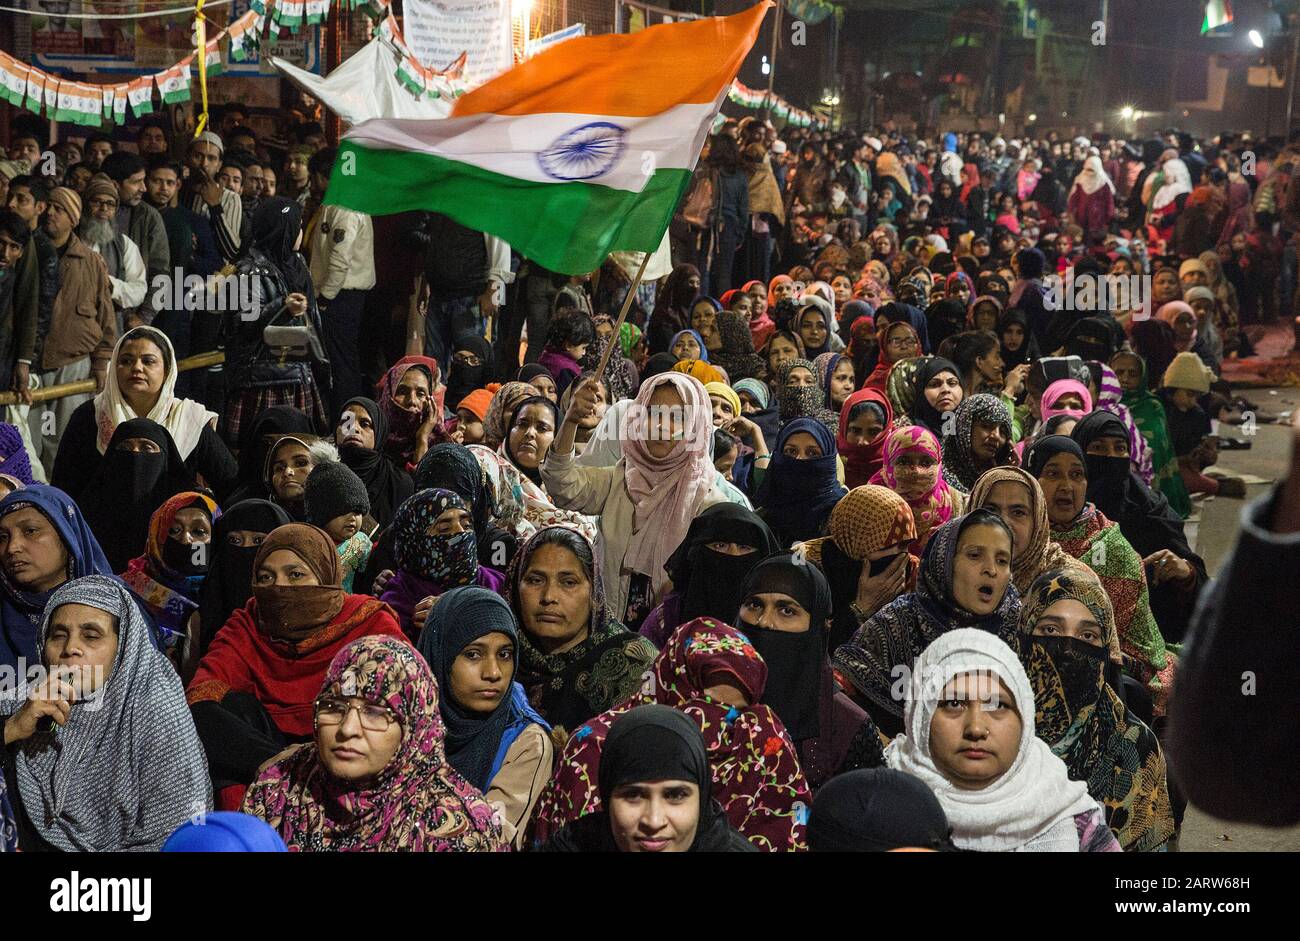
(754, 98)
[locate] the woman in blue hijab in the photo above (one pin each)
(800, 487)
(494, 738)
(44, 542)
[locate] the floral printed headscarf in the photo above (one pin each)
(933, 509)
(445, 560)
(417, 803)
(756, 775)
(1081, 716)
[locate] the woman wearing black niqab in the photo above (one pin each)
(463, 379)
(831, 732)
(128, 485)
(1147, 521)
(229, 584)
(647, 744)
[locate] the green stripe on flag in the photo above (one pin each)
(566, 227)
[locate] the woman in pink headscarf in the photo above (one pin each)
(913, 468)
(647, 500)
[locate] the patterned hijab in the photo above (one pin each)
(445, 561)
(898, 632)
(1041, 554)
(165, 577)
(933, 509)
(959, 467)
(502, 405)
(900, 388)
(737, 355)
(802, 401)
(127, 768)
(756, 775)
(569, 687)
(418, 803)
(1028, 801)
(403, 423)
(1081, 716)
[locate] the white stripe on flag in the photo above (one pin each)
(524, 146)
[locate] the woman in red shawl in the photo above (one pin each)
(411, 398)
(866, 422)
(897, 341)
(253, 691)
(711, 672)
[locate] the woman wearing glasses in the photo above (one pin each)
(898, 341)
(252, 692)
(374, 775)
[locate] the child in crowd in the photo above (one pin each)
(470, 413)
(567, 338)
(1185, 381)
(336, 502)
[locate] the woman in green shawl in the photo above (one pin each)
(1149, 413)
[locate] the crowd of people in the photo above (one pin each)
(848, 537)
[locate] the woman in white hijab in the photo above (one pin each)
(1092, 198)
(969, 721)
(1163, 188)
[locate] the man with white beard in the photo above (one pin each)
(126, 270)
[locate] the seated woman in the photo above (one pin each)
(786, 616)
(898, 340)
(736, 354)
(981, 439)
(142, 384)
(799, 488)
(124, 767)
(374, 775)
(236, 537)
(835, 374)
(360, 435)
(1175, 574)
(688, 345)
(169, 577)
(799, 396)
(710, 672)
(502, 405)
(436, 550)
(139, 472)
(912, 468)
(540, 378)
(289, 463)
(877, 810)
(936, 393)
(575, 660)
(252, 692)
(645, 502)
(1085, 533)
(495, 739)
(722, 545)
(969, 736)
(866, 422)
(411, 399)
(865, 557)
(1015, 495)
(257, 437)
(1067, 624)
(964, 581)
(654, 756)
(1149, 416)
(44, 542)
(781, 347)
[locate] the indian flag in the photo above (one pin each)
(1217, 13)
(13, 79)
(581, 150)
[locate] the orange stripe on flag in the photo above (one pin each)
(634, 75)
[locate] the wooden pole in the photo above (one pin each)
(201, 361)
(622, 315)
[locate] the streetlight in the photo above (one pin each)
(1033, 118)
(1126, 112)
(1256, 39)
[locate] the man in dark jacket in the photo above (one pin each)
(466, 272)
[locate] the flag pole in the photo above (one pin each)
(622, 315)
